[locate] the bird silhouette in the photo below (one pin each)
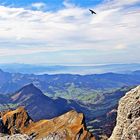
(92, 12)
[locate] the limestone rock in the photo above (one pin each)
(128, 117)
(69, 126)
(19, 125)
(15, 121)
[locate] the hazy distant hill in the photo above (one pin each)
(79, 87)
(62, 69)
(67, 85)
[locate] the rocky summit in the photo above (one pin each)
(17, 124)
(128, 118)
(15, 121)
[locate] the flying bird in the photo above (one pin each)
(92, 12)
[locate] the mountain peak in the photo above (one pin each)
(26, 92)
(67, 126)
(18, 117)
(30, 85)
(30, 88)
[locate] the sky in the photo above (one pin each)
(64, 32)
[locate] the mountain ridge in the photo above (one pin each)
(62, 85)
(34, 101)
(70, 126)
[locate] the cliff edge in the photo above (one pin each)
(128, 117)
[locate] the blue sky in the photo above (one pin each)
(65, 32)
(52, 3)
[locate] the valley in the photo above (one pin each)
(44, 95)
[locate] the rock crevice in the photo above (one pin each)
(128, 117)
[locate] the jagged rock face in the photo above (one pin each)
(128, 118)
(69, 126)
(16, 120)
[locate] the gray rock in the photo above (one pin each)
(56, 136)
(15, 137)
(128, 117)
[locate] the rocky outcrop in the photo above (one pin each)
(69, 126)
(128, 117)
(15, 121)
(15, 137)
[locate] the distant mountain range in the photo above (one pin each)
(63, 69)
(77, 87)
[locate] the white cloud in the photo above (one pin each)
(67, 4)
(71, 28)
(119, 3)
(39, 5)
(120, 47)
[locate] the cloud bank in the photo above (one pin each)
(71, 31)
